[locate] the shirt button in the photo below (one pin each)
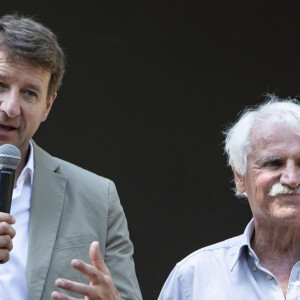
(269, 277)
(251, 254)
(254, 269)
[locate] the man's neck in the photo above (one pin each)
(276, 239)
(278, 248)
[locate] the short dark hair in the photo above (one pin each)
(22, 38)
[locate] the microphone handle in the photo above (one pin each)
(7, 178)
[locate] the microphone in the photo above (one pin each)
(10, 157)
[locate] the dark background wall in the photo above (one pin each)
(149, 87)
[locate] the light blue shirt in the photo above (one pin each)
(229, 270)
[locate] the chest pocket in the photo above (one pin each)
(66, 249)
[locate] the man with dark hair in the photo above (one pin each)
(58, 209)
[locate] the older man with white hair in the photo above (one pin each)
(263, 149)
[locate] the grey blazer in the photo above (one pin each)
(70, 208)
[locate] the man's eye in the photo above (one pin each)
(2, 87)
(30, 94)
(273, 163)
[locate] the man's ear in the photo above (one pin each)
(239, 181)
(48, 106)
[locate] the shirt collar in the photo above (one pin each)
(28, 170)
(238, 249)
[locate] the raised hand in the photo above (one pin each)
(101, 284)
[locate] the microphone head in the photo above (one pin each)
(10, 156)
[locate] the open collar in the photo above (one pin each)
(244, 244)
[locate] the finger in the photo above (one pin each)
(94, 275)
(4, 217)
(97, 259)
(59, 296)
(6, 242)
(4, 256)
(6, 229)
(72, 286)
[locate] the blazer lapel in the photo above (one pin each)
(45, 212)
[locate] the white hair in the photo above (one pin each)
(272, 111)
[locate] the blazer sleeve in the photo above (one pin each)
(119, 249)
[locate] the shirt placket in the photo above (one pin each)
(267, 282)
(294, 283)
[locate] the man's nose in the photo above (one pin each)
(10, 104)
(291, 175)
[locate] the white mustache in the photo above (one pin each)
(279, 189)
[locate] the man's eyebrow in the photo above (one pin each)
(31, 86)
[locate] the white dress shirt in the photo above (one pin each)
(13, 273)
(229, 270)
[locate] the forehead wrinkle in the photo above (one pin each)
(262, 147)
(32, 76)
(270, 146)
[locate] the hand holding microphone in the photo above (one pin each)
(10, 158)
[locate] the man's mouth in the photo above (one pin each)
(5, 127)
